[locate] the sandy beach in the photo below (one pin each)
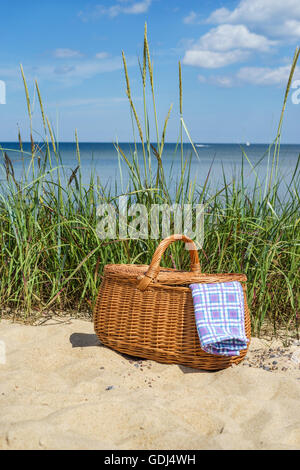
(61, 389)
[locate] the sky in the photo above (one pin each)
(235, 58)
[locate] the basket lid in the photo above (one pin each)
(168, 276)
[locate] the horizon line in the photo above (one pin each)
(139, 143)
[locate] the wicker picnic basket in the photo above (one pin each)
(147, 311)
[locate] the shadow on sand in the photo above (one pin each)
(85, 340)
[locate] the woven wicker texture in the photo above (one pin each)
(148, 312)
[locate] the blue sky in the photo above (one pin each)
(235, 63)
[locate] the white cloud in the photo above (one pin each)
(121, 7)
(213, 59)
(276, 17)
(102, 55)
(254, 25)
(191, 18)
(255, 11)
(260, 76)
(289, 28)
(223, 81)
(66, 53)
(225, 45)
(266, 75)
(137, 8)
(67, 75)
(227, 37)
(85, 69)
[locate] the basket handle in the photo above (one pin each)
(154, 267)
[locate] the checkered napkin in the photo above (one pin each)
(220, 317)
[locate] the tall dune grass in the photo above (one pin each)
(52, 259)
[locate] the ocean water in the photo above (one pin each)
(219, 159)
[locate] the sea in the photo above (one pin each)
(216, 160)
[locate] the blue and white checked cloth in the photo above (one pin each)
(220, 317)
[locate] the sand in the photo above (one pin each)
(61, 389)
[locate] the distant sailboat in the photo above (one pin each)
(248, 143)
